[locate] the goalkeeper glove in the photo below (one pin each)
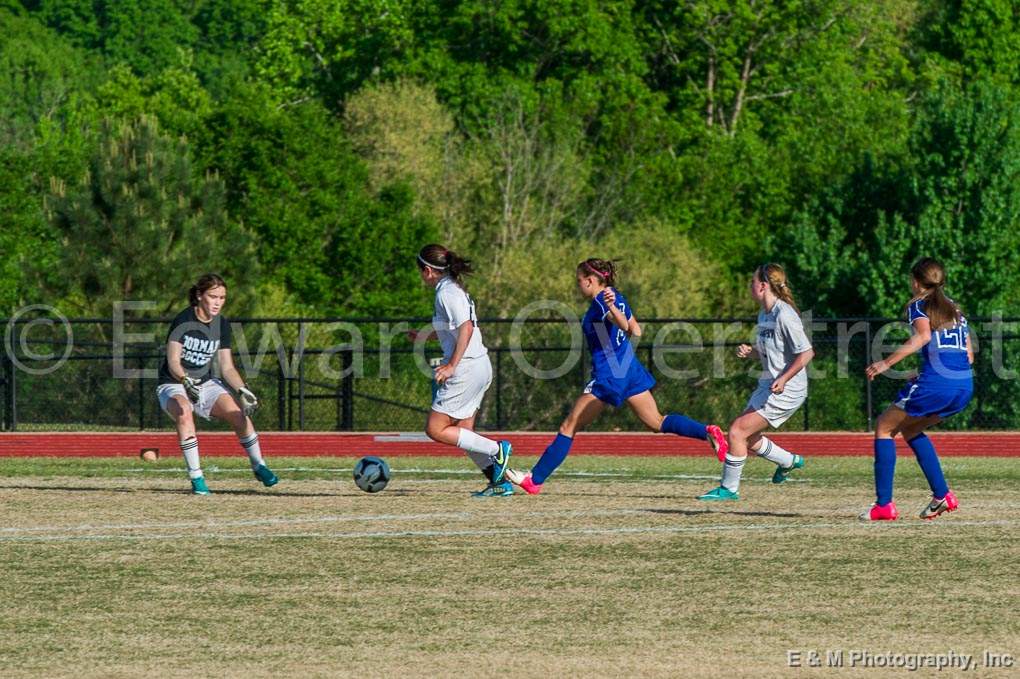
(191, 388)
(249, 404)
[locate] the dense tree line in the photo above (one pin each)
(306, 148)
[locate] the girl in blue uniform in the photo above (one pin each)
(943, 387)
(617, 376)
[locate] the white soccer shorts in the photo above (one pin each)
(209, 392)
(460, 397)
(775, 408)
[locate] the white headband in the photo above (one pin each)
(430, 264)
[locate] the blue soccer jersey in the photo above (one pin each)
(944, 361)
(611, 350)
(616, 372)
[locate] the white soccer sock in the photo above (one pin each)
(189, 448)
(773, 452)
(733, 467)
(251, 446)
(480, 449)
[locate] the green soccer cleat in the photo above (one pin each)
(504, 489)
(266, 476)
(719, 494)
(198, 486)
(782, 472)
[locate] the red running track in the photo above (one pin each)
(332, 444)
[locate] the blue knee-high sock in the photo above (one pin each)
(684, 426)
(885, 468)
(924, 451)
(552, 458)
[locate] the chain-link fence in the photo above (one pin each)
(367, 375)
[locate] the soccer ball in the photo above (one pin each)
(371, 474)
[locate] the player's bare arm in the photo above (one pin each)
(464, 332)
(921, 337)
(230, 374)
(799, 362)
(174, 351)
(249, 402)
(633, 327)
(173, 358)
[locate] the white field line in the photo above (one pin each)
(285, 521)
(472, 472)
(505, 532)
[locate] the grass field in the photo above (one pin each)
(109, 569)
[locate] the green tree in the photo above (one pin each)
(958, 199)
(971, 39)
(141, 224)
(174, 96)
(25, 237)
(776, 100)
(573, 73)
(328, 48)
(41, 78)
(146, 34)
(404, 134)
(331, 239)
(45, 107)
(229, 34)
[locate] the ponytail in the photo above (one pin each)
(204, 284)
(602, 269)
(447, 261)
(775, 276)
(941, 311)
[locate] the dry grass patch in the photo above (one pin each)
(110, 571)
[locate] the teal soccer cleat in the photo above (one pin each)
(719, 494)
(501, 461)
(782, 472)
(198, 486)
(266, 476)
(503, 489)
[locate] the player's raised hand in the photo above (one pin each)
(249, 404)
(191, 388)
(609, 296)
(744, 350)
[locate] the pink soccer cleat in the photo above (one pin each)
(530, 487)
(880, 513)
(939, 506)
(519, 478)
(717, 440)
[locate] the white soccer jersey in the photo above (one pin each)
(781, 337)
(453, 308)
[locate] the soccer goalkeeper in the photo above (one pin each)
(187, 386)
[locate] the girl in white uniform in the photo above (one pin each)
(465, 373)
(785, 352)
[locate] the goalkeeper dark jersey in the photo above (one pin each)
(200, 340)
